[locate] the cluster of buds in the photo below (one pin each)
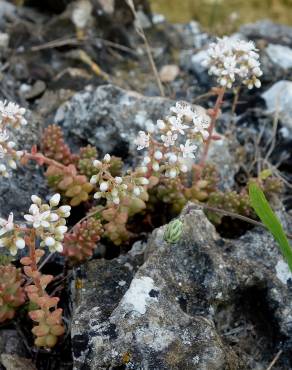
(114, 189)
(232, 60)
(11, 116)
(179, 134)
(11, 292)
(81, 242)
(47, 316)
(54, 146)
(49, 221)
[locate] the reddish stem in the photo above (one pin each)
(215, 113)
(32, 255)
(41, 159)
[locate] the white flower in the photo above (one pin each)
(158, 155)
(55, 200)
(97, 163)
(103, 186)
(231, 59)
(107, 158)
(201, 124)
(182, 109)
(37, 218)
(6, 225)
(169, 139)
(13, 113)
(188, 149)
(160, 124)
(142, 141)
(176, 125)
(4, 136)
(118, 180)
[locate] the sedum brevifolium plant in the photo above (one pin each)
(173, 171)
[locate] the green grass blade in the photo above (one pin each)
(270, 220)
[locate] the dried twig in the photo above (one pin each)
(141, 33)
(231, 214)
(275, 359)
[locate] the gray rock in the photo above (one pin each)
(280, 55)
(110, 118)
(7, 10)
(222, 155)
(26, 180)
(11, 342)
(99, 282)
(196, 62)
(267, 30)
(191, 305)
(278, 99)
(14, 362)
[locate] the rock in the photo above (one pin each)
(110, 118)
(203, 303)
(223, 156)
(14, 362)
(110, 279)
(7, 11)
(25, 180)
(280, 55)
(36, 90)
(278, 99)
(169, 73)
(267, 30)
(196, 62)
(11, 342)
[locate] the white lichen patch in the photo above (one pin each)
(283, 272)
(137, 297)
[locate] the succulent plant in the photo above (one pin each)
(54, 147)
(12, 294)
(173, 231)
(81, 242)
(69, 183)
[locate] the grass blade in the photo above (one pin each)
(270, 220)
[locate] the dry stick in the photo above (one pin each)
(74, 41)
(275, 359)
(231, 214)
(216, 109)
(141, 33)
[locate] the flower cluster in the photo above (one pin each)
(232, 60)
(11, 116)
(11, 237)
(48, 221)
(116, 188)
(179, 134)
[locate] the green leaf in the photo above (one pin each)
(270, 220)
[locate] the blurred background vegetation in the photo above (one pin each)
(223, 16)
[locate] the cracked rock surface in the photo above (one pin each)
(203, 303)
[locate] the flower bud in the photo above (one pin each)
(173, 231)
(55, 200)
(49, 241)
(103, 186)
(35, 199)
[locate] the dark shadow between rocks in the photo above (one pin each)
(249, 326)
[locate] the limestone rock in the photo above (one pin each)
(203, 303)
(278, 99)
